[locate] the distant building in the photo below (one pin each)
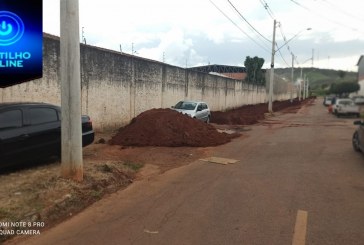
(361, 74)
(234, 72)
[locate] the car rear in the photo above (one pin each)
(88, 134)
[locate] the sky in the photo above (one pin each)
(320, 33)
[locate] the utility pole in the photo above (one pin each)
(307, 85)
(304, 86)
(300, 91)
(83, 36)
(71, 133)
(270, 95)
(292, 74)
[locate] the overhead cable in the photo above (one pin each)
(265, 5)
(248, 22)
(266, 49)
(324, 17)
(279, 51)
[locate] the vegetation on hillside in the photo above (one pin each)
(320, 79)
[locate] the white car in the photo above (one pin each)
(327, 100)
(359, 100)
(345, 107)
(194, 109)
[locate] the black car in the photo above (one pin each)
(31, 131)
(358, 136)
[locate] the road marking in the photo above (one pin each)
(151, 232)
(299, 235)
(219, 160)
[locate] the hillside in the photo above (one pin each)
(320, 79)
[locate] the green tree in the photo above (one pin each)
(344, 88)
(341, 74)
(254, 70)
(323, 86)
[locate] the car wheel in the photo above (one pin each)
(356, 142)
(208, 119)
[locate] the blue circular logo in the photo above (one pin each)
(11, 28)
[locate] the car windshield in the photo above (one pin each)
(346, 102)
(183, 105)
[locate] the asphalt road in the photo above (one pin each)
(297, 181)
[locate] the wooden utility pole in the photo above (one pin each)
(72, 162)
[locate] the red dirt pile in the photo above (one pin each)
(251, 114)
(165, 127)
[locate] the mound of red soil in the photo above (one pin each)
(165, 127)
(251, 114)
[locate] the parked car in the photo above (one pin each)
(327, 100)
(358, 136)
(358, 100)
(345, 107)
(194, 109)
(32, 131)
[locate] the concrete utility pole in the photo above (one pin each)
(270, 95)
(307, 85)
(72, 162)
(300, 95)
(292, 74)
(300, 91)
(304, 86)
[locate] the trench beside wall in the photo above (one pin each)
(117, 87)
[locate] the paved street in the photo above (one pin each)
(294, 170)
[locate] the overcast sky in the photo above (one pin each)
(200, 32)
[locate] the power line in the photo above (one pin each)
(248, 22)
(271, 14)
(265, 5)
(279, 51)
(284, 37)
(266, 49)
(338, 9)
(324, 17)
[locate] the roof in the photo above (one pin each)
(361, 57)
(11, 104)
(219, 69)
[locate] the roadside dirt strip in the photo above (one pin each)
(296, 180)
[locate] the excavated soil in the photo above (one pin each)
(251, 114)
(166, 127)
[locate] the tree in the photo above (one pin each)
(344, 88)
(254, 70)
(341, 74)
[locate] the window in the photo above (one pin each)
(11, 119)
(43, 115)
(185, 105)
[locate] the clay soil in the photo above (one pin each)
(251, 114)
(39, 193)
(166, 127)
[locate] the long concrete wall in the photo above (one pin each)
(117, 87)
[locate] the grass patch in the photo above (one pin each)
(133, 166)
